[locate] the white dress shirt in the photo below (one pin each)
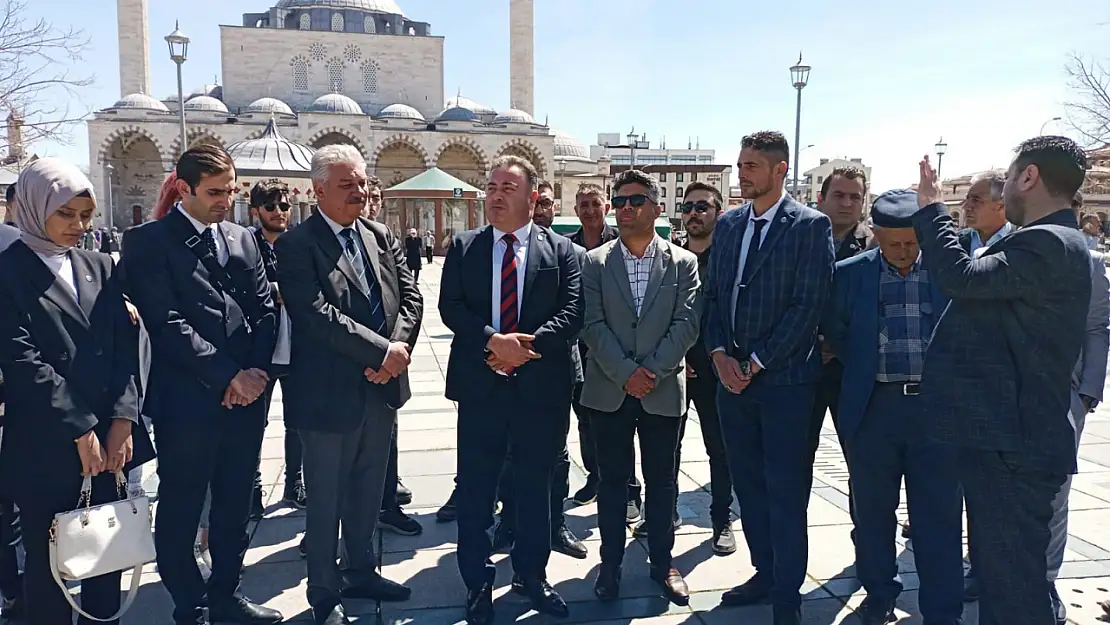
(521, 247)
(61, 267)
(639, 270)
(217, 236)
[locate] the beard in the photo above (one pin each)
(275, 229)
(755, 191)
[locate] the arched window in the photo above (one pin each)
(305, 21)
(369, 76)
(368, 25)
(300, 74)
(335, 75)
(337, 22)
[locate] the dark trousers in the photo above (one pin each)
(702, 392)
(560, 488)
(294, 451)
(510, 420)
(11, 582)
(616, 433)
(220, 454)
(887, 446)
(46, 605)
(589, 448)
(827, 400)
(766, 432)
(428, 254)
(389, 494)
(1010, 504)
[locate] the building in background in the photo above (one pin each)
(635, 149)
(809, 186)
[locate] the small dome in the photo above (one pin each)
(400, 111)
(457, 114)
(140, 101)
(268, 105)
(467, 103)
(514, 116)
(570, 148)
(212, 91)
(205, 103)
(271, 153)
(335, 103)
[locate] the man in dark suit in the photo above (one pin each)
(511, 294)
(762, 334)
(414, 249)
(355, 313)
(201, 288)
(878, 322)
(997, 377)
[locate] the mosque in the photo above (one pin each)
(309, 73)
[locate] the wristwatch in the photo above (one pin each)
(1090, 402)
(746, 368)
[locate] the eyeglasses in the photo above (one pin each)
(700, 206)
(283, 206)
(545, 203)
(637, 200)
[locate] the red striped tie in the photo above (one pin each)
(508, 286)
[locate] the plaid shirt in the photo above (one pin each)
(639, 271)
(905, 323)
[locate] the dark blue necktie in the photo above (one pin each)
(373, 293)
(753, 250)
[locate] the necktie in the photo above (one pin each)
(753, 249)
(210, 243)
(508, 286)
(354, 256)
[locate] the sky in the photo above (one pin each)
(888, 80)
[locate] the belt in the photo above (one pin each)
(909, 389)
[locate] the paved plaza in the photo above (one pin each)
(275, 573)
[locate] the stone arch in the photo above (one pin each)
(197, 136)
(133, 171)
(524, 148)
(335, 134)
(401, 138)
(464, 159)
(399, 158)
(129, 130)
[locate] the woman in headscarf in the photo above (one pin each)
(69, 355)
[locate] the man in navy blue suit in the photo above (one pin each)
(883, 309)
(770, 272)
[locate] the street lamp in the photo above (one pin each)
(562, 182)
(941, 147)
(179, 51)
(1054, 119)
(111, 207)
(799, 75)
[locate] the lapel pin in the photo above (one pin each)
(88, 278)
(782, 219)
(230, 238)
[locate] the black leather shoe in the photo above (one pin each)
(754, 591)
(607, 586)
(404, 494)
(376, 587)
(243, 611)
(334, 616)
(971, 587)
(199, 616)
(724, 541)
(503, 537)
(448, 512)
(565, 542)
(479, 606)
(258, 510)
(674, 587)
(544, 598)
(632, 511)
(787, 615)
(875, 611)
(585, 495)
(1059, 608)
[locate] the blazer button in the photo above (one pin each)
(99, 352)
(64, 356)
(633, 325)
(631, 355)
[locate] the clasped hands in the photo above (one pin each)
(247, 386)
(509, 351)
(96, 459)
(640, 383)
(728, 370)
(397, 359)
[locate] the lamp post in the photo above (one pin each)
(562, 182)
(799, 75)
(942, 148)
(179, 51)
(1054, 119)
(111, 205)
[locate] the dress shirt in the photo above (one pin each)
(977, 243)
(61, 267)
(906, 320)
(521, 247)
(221, 245)
(639, 270)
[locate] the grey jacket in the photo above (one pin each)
(1090, 372)
(657, 339)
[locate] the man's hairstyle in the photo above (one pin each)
(636, 176)
(1077, 202)
(997, 181)
(9, 195)
(1061, 162)
(203, 160)
(335, 154)
(265, 192)
(543, 184)
(590, 188)
(770, 142)
(374, 182)
(697, 185)
(850, 172)
(527, 168)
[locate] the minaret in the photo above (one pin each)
(522, 64)
(134, 57)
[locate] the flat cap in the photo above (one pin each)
(894, 209)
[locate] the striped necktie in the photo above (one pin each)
(355, 257)
(508, 286)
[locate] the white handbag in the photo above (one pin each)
(95, 540)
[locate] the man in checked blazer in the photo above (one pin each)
(770, 273)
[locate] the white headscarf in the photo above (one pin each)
(42, 188)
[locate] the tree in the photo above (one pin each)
(1088, 113)
(36, 82)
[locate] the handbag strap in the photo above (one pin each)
(218, 274)
(136, 579)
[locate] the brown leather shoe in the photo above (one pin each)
(674, 587)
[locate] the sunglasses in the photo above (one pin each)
(637, 200)
(283, 206)
(700, 206)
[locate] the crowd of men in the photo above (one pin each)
(960, 362)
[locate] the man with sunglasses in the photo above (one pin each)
(770, 273)
(640, 320)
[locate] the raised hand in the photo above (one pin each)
(928, 187)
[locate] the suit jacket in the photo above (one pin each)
(780, 308)
(860, 240)
(200, 336)
(1089, 376)
(998, 371)
(333, 342)
(550, 310)
(71, 363)
(414, 252)
(657, 339)
(577, 361)
(269, 262)
(851, 326)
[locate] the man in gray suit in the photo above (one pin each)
(639, 322)
(1086, 392)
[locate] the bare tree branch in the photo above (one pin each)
(35, 81)
(1089, 111)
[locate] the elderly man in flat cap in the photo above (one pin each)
(882, 312)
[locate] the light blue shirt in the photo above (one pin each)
(977, 243)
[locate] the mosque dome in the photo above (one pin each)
(271, 153)
(569, 148)
(457, 114)
(335, 103)
(140, 101)
(206, 104)
(373, 6)
(400, 111)
(268, 105)
(467, 103)
(212, 91)
(513, 116)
